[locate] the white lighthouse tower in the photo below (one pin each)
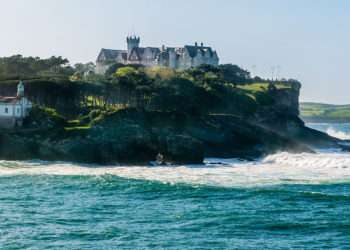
(20, 89)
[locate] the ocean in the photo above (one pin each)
(284, 201)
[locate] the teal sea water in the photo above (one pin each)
(284, 201)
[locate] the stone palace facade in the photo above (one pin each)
(173, 57)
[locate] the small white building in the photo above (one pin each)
(13, 109)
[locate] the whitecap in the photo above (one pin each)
(338, 134)
(281, 168)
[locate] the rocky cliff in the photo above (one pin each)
(133, 137)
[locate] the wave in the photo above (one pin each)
(281, 168)
(338, 134)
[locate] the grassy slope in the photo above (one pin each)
(262, 86)
(325, 112)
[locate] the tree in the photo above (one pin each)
(113, 68)
(126, 72)
(18, 66)
(234, 74)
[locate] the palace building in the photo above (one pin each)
(173, 57)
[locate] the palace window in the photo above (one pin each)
(6, 110)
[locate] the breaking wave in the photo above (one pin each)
(338, 134)
(281, 168)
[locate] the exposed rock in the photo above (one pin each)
(137, 137)
(183, 149)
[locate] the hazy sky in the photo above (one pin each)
(309, 39)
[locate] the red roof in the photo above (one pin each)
(9, 99)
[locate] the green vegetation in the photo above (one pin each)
(263, 87)
(133, 113)
(44, 119)
(319, 112)
(17, 66)
(76, 91)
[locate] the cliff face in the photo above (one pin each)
(137, 137)
(283, 119)
(285, 102)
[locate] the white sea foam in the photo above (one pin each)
(275, 169)
(338, 134)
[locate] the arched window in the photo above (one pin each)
(6, 110)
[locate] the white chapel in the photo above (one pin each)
(13, 109)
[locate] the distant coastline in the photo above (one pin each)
(324, 113)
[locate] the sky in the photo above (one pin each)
(306, 40)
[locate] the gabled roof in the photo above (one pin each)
(111, 54)
(194, 50)
(9, 99)
(153, 49)
(139, 52)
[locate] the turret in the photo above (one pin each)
(133, 42)
(20, 89)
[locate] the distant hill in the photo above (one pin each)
(321, 112)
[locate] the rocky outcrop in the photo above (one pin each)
(283, 119)
(137, 137)
(132, 137)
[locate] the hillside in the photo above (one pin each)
(132, 114)
(320, 112)
(244, 121)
